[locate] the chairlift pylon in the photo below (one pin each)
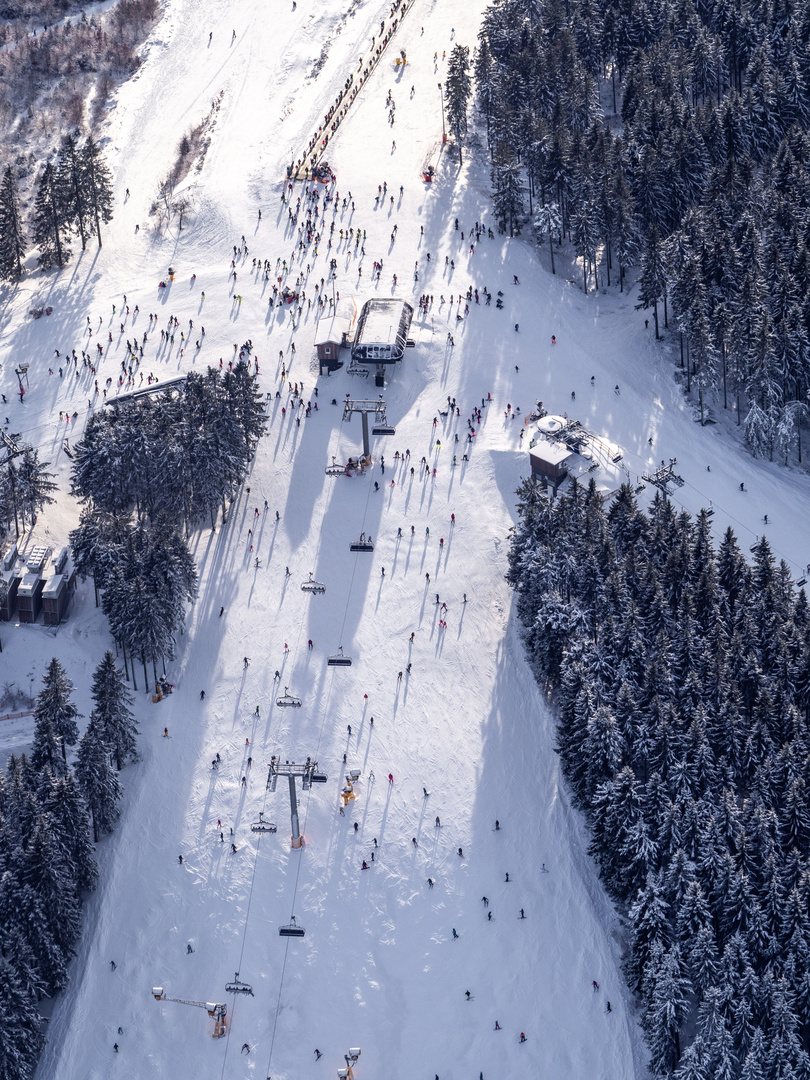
(339, 659)
(292, 929)
(262, 826)
(288, 700)
(313, 586)
(236, 986)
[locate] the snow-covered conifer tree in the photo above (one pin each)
(113, 711)
(457, 89)
(97, 778)
(54, 705)
(12, 237)
(50, 225)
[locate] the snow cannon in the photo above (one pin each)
(217, 1011)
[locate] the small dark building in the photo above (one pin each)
(9, 585)
(331, 336)
(60, 561)
(29, 598)
(55, 597)
(10, 557)
(550, 461)
(382, 331)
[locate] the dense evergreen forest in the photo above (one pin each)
(670, 135)
(145, 471)
(50, 814)
(681, 676)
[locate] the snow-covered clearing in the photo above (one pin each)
(378, 968)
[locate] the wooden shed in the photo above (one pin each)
(29, 598)
(55, 597)
(331, 336)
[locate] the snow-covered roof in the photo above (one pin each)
(607, 475)
(550, 425)
(28, 584)
(53, 585)
(332, 329)
(552, 452)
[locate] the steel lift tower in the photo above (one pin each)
(309, 775)
(366, 408)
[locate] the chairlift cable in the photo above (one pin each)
(304, 810)
(354, 568)
(305, 814)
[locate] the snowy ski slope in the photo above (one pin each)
(378, 968)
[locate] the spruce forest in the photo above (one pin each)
(50, 814)
(681, 676)
(145, 471)
(673, 137)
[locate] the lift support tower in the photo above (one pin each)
(366, 408)
(309, 775)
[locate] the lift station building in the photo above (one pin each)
(382, 334)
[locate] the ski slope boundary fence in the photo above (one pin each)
(306, 166)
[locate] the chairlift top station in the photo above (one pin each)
(561, 448)
(381, 336)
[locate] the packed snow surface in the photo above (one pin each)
(379, 967)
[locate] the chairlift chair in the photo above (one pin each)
(313, 586)
(236, 986)
(361, 545)
(383, 429)
(292, 929)
(616, 458)
(801, 583)
(262, 826)
(339, 659)
(288, 700)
